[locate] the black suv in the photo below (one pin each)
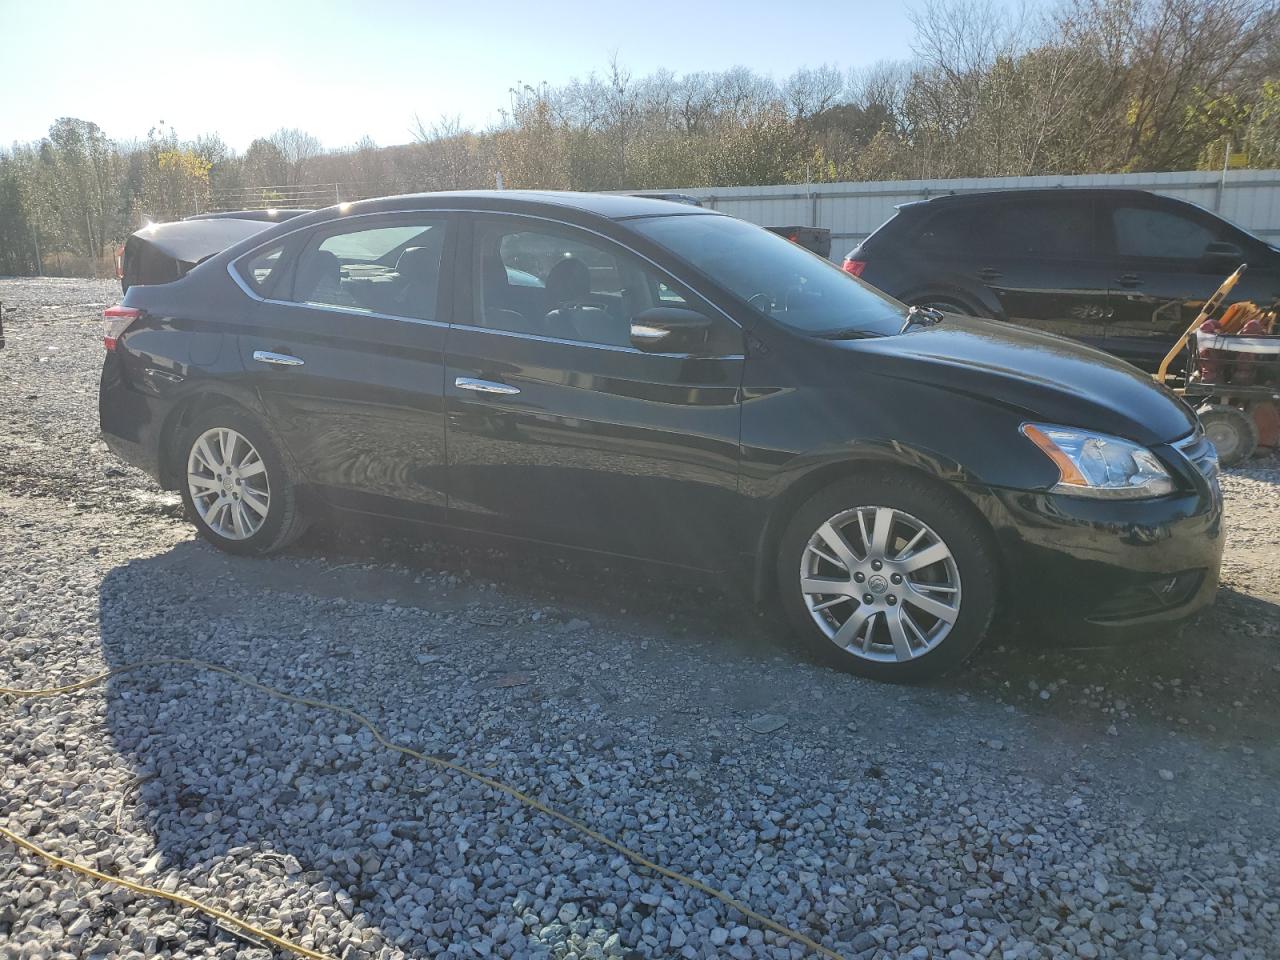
(1122, 270)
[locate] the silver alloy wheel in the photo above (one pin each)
(228, 483)
(880, 583)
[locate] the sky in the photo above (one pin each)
(343, 70)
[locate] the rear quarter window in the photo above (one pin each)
(949, 231)
(259, 269)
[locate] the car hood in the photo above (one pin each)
(1046, 377)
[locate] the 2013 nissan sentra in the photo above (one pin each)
(643, 378)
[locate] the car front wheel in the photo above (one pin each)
(236, 486)
(890, 577)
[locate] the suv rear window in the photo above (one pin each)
(949, 231)
(1011, 228)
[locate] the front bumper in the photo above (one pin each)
(1104, 567)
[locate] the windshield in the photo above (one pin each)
(775, 277)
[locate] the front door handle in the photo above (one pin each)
(277, 359)
(485, 386)
(1129, 280)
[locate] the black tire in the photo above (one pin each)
(284, 522)
(950, 519)
(1232, 431)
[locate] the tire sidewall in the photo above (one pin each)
(278, 479)
(1241, 425)
(950, 518)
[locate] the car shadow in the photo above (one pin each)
(226, 778)
(701, 665)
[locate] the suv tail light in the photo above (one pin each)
(115, 320)
(854, 267)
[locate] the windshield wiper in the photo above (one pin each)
(925, 316)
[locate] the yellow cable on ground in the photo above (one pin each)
(635, 857)
(178, 898)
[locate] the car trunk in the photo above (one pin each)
(164, 252)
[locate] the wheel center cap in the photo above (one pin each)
(877, 584)
(226, 483)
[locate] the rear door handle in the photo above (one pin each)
(485, 386)
(1129, 280)
(277, 359)
(989, 273)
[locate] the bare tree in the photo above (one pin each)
(1170, 55)
(298, 148)
(809, 91)
(450, 156)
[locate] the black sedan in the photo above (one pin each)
(642, 378)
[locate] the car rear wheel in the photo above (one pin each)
(945, 305)
(889, 577)
(236, 485)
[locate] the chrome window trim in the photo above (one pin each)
(280, 238)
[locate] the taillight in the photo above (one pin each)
(115, 320)
(854, 267)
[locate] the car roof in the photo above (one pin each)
(982, 196)
(609, 205)
(270, 214)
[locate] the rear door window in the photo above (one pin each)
(1153, 233)
(383, 268)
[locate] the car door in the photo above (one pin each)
(1038, 257)
(559, 429)
(1165, 270)
(347, 354)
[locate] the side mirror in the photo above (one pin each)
(670, 330)
(1222, 252)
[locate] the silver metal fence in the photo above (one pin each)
(1249, 198)
(851, 211)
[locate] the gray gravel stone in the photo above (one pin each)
(968, 819)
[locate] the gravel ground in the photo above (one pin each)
(1048, 802)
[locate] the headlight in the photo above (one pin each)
(1096, 465)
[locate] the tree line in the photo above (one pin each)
(1089, 86)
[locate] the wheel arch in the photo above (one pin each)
(181, 414)
(978, 303)
(796, 493)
